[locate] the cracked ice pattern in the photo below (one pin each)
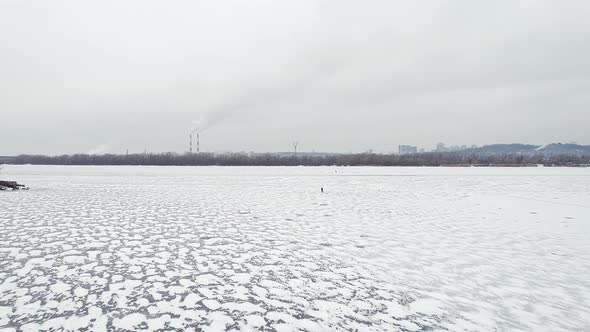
(127, 248)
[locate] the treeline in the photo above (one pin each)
(271, 159)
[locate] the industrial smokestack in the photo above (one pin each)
(190, 144)
(198, 148)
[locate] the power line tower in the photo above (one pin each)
(295, 144)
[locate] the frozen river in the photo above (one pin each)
(228, 248)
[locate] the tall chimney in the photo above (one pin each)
(190, 144)
(198, 150)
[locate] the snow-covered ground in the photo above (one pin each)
(127, 248)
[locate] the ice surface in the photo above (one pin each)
(161, 248)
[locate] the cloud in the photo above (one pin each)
(391, 72)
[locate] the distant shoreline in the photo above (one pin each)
(293, 166)
(445, 159)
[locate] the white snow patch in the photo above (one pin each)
(129, 322)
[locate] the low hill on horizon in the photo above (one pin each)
(553, 149)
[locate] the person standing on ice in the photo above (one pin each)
(322, 188)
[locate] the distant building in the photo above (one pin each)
(407, 149)
(440, 147)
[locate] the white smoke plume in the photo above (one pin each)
(101, 149)
(266, 93)
(214, 117)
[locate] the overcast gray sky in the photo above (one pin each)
(106, 76)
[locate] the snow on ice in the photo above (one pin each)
(153, 248)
